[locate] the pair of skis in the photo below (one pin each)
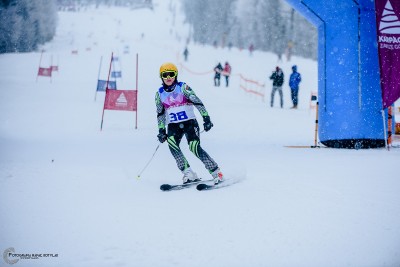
(200, 185)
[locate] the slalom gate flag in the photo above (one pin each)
(116, 74)
(121, 100)
(44, 72)
(388, 26)
(101, 85)
(54, 68)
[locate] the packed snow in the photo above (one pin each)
(71, 190)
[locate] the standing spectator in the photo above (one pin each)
(215, 44)
(295, 79)
(217, 77)
(289, 49)
(186, 53)
(277, 77)
(279, 53)
(227, 72)
(251, 49)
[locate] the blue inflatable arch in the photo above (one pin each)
(349, 91)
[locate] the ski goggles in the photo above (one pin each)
(168, 74)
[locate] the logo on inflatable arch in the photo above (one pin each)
(390, 23)
(389, 28)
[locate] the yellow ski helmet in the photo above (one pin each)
(168, 66)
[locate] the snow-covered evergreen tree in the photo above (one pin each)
(270, 25)
(24, 24)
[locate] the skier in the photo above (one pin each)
(295, 79)
(174, 102)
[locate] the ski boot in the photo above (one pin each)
(189, 176)
(218, 176)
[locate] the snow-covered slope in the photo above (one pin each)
(68, 188)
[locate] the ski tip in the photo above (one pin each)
(165, 187)
(201, 187)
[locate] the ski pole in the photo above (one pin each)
(138, 177)
(144, 168)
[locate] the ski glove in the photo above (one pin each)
(207, 123)
(162, 135)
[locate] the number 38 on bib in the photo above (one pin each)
(182, 113)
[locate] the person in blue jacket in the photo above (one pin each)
(294, 81)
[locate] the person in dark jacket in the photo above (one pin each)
(278, 78)
(186, 53)
(217, 77)
(294, 81)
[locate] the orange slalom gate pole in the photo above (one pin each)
(315, 135)
(40, 63)
(105, 99)
(390, 126)
(137, 89)
(316, 125)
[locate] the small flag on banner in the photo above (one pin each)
(44, 72)
(101, 85)
(121, 100)
(116, 74)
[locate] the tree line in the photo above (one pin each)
(25, 24)
(268, 25)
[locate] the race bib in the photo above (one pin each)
(181, 113)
